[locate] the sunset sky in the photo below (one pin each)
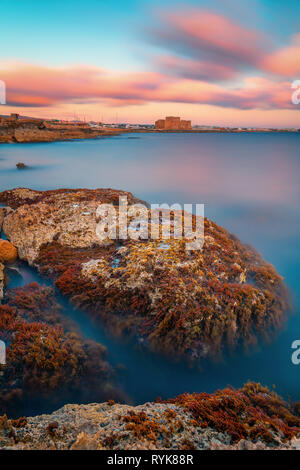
(220, 62)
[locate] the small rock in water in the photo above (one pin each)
(21, 166)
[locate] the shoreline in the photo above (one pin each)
(38, 131)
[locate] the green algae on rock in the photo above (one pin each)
(183, 303)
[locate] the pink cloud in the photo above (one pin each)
(285, 61)
(201, 33)
(254, 92)
(38, 86)
(41, 86)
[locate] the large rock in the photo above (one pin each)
(182, 303)
(8, 252)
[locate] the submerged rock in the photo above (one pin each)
(8, 252)
(48, 360)
(249, 418)
(182, 303)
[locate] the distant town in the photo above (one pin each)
(168, 124)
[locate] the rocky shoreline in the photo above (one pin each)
(251, 418)
(36, 130)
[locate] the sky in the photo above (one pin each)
(216, 62)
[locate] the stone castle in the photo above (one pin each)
(172, 123)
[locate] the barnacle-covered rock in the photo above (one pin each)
(67, 216)
(174, 300)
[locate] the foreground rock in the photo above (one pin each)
(48, 360)
(249, 418)
(182, 303)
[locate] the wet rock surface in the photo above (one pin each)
(227, 419)
(182, 303)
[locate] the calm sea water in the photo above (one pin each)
(249, 184)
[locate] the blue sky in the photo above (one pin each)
(112, 34)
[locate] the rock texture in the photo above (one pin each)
(182, 303)
(65, 216)
(236, 419)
